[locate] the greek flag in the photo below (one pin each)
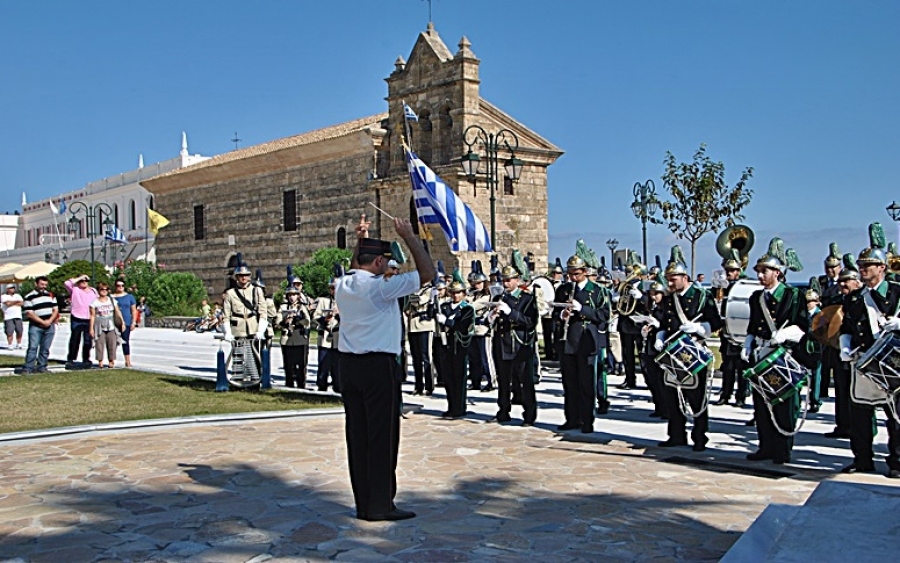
(115, 235)
(62, 206)
(409, 113)
(436, 203)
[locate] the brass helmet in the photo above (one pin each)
(874, 253)
(575, 262)
(509, 272)
(658, 287)
(456, 287)
(676, 266)
(834, 256)
(477, 273)
(240, 268)
(291, 290)
(812, 295)
(733, 262)
(557, 267)
(590, 271)
(850, 270)
(777, 258)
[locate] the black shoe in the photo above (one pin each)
(670, 443)
(470, 387)
(526, 423)
(857, 467)
(391, 516)
(428, 393)
(758, 456)
(699, 447)
(813, 409)
(721, 401)
(499, 419)
(568, 426)
(751, 422)
(740, 403)
(626, 385)
(837, 434)
(893, 474)
(781, 460)
(587, 429)
(487, 388)
(601, 410)
(417, 392)
(655, 414)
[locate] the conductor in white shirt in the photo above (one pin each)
(371, 374)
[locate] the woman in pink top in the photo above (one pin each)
(82, 295)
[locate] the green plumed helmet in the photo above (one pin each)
(677, 264)
(733, 262)
(850, 270)
(774, 257)
(874, 253)
(834, 256)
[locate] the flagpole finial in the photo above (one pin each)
(140, 161)
(184, 150)
(24, 200)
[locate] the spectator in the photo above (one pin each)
(42, 313)
(12, 316)
(82, 295)
(128, 309)
(104, 314)
(143, 311)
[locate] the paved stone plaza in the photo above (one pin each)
(277, 489)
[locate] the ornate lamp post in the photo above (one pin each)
(644, 207)
(95, 216)
(612, 244)
(491, 143)
(894, 212)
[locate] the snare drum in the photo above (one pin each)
(683, 358)
(880, 364)
(777, 376)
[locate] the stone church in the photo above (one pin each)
(280, 201)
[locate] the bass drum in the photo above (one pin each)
(548, 291)
(737, 310)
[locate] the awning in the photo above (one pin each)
(34, 270)
(8, 270)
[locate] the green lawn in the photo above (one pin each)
(97, 396)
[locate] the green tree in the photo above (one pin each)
(701, 200)
(176, 294)
(318, 270)
(139, 274)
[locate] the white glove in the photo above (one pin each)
(503, 307)
(576, 306)
(693, 328)
(748, 345)
(892, 324)
(634, 292)
(228, 336)
(659, 344)
(791, 333)
(615, 298)
(846, 354)
(745, 355)
(261, 330)
(441, 318)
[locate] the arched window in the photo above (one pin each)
(342, 237)
(132, 214)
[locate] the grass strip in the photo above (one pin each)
(74, 398)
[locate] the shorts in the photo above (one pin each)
(13, 326)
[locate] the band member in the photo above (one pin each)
(690, 310)
(245, 310)
(556, 277)
(328, 325)
(456, 320)
(653, 374)
(869, 312)
(830, 294)
(515, 320)
(848, 282)
(581, 329)
(480, 370)
(629, 330)
(421, 327)
(813, 308)
(294, 320)
(437, 297)
(732, 365)
(778, 317)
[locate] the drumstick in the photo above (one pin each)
(385, 213)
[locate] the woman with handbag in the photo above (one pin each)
(106, 325)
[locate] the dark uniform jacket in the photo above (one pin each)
(831, 291)
(587, 332)
(786, 304)
(518, 328)
(460, 324)
(856, 316)
(695, 301)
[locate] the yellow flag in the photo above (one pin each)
(157, 221)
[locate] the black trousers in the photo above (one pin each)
(294, 360)
(418, 350)
(520, 369)
(80, 336)
(831, 361)
(454, 363)
(549, 339)
(842, 402)
(371, 393)
(862, 432)
(479, 366)
(579, 380)
(732, 369)
(629, 342)
(328, 367)
(677, 421)
(772, 443)
(653, 375)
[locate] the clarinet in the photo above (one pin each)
(568, 314)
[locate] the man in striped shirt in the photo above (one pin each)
(41, 310)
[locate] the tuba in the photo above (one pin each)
(626, 303)
(737, 237)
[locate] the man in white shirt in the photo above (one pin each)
(369, 346)
(12, 316)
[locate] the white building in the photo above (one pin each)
(42, 234)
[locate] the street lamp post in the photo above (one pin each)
(491, 144)
(92, 213)
(644, 207)
(612, 244)
(894, 212)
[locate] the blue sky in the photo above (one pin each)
(805, 92)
